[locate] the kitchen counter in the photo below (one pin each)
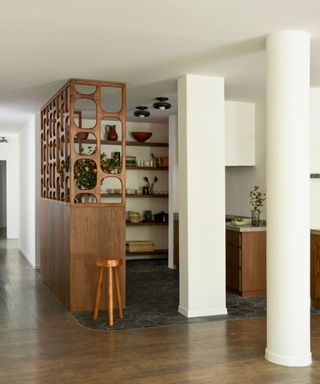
(246, 228)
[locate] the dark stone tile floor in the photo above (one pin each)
(153, 297)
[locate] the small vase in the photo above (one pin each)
(111, 132)
(148, 216)
(255, 218)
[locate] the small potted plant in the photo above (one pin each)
(257, 200)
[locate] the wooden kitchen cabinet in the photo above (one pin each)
(315, 271)
(246, 262)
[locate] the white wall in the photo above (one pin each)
(173, 184)
(315, 157)
(3, 198)
(37, 185)
(239, 180)
(10, 153)
(28, 191)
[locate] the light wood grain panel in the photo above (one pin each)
(253, 263)
(95, 232)
(54, 247)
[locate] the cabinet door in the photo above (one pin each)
(315, 270)
(254, 262)
(233, 260)
(240, 133)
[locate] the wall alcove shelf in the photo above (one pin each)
(156, 196)
(128, 223)
(128, 143)
(155, 252)
(147, 168)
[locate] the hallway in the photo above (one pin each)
(41, 343)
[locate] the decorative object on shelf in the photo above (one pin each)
(131, 191)
(161, 217)
(141, 136)
(257, 200)
(3, 140)
(140, 246)
(147, 216)
(162, 161)
(110, 164)
(149, 185)
(82, 135)
(134, 217)
(111, 132)
(162, 103)
(141, 112)
(131, 161)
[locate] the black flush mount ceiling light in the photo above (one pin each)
(3, 139)
(141, 112)
(162, 103)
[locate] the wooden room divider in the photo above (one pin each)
(79, 221)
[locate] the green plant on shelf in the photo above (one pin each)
(110, 164)
(85, 170)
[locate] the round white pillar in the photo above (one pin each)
(288, 236)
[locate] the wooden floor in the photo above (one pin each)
(41, 343)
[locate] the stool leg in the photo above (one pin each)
(110, 297)
(116, 277)
(98, 297)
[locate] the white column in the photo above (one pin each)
(173, 183)
(201, 148)
(288, 216)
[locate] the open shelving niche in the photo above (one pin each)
(158, 145)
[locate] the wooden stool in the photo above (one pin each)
(110, 264)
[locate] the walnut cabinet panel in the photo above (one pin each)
(246, 262)
(315, 271)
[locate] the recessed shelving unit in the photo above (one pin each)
(155, 252)
(128, 143)
(128, 223)
(136, 196)
(147, 168)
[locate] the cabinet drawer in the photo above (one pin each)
(233, 238)
(233, 255)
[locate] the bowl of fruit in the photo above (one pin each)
(240, 221)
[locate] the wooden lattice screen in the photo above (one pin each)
(63, 132)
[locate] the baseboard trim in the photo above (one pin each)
(288, 361)
(27, 260)
(217, 311)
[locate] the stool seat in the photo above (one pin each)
(111, 266)
(108, 263)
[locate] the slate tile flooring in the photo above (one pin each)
(153, 297)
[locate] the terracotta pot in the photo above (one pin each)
(111, 132)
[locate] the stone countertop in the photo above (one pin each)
(315, 231)
(246, 228)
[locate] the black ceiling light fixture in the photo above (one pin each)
(3, 139)
(162, 103)
(141, 112)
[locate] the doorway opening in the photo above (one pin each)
(3, 199)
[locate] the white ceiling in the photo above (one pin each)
(147, 44)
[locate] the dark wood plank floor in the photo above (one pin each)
(41, 343)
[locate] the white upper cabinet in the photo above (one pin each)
(240, 133)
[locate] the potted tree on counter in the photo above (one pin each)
(257, 200)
